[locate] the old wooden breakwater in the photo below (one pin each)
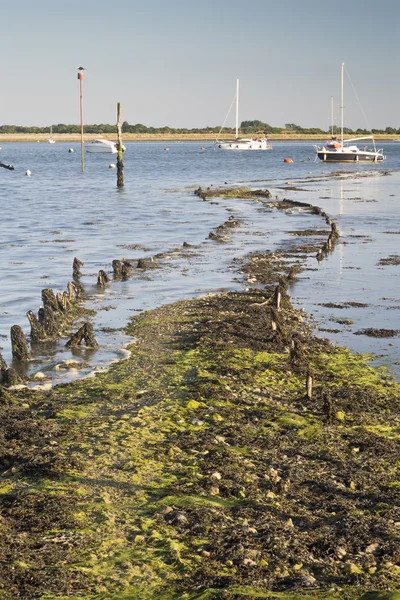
(61, 311)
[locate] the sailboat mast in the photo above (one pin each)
(332, 116)
(342, 106)
(237, 108)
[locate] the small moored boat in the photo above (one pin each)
(104, 146)
(243, 143)
(341, 151)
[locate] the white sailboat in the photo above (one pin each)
(51, 140)
(243, 143)
(339, 151)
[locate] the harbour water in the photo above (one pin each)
(59, 213)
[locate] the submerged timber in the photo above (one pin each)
(233, 455)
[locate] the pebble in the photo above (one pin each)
(340, 552)
(309, 580)
(39, 375)
(371, 549)
(216, 475)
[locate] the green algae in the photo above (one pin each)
(150, 436)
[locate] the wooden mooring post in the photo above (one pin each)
(120, 164)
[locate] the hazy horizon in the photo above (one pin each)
(176, 64)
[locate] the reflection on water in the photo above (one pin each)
(59, 213)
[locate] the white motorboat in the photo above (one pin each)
(104, 146)
(51, 140)
(243, 143)
(340, 151)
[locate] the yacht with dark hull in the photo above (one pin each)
(343, 150)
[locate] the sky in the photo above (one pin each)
(175, 62)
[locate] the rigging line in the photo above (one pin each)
(227, 115)
(358, 100)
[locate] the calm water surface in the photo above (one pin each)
(59, 213)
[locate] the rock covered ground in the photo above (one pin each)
(199, 468)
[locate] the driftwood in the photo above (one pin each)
(84, 333)
(102, 278)
(38, 332)
(19, 345)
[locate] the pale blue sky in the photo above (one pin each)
(175, 62)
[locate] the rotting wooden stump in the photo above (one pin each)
(84, 333)
(3, 364)
(51, 324)
(274, 319)
(19, 345)
(117, 267)
(74, 293)
(49, 300)
(102, 278)
(328, 406)
(125, 269)
(10, 377)
(76, 268)
(144, 263)
(38, 332)
(62, 301)
(277, 298)
(297, 355)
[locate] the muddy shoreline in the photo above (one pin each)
(232, 455)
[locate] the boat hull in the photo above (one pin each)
(101, 150)
(349, 157)
(248, 146)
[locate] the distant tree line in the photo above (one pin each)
(247, 127)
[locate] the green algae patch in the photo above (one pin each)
(381, 596)
(188, 501)
(199, 468)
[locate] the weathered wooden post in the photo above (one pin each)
(120, 164)
(19, 345)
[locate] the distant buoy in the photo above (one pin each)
(111, 166)
(166, 149)
(287, 160)
(28, 173)
(71, 150)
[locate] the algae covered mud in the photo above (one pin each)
(233, 454)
